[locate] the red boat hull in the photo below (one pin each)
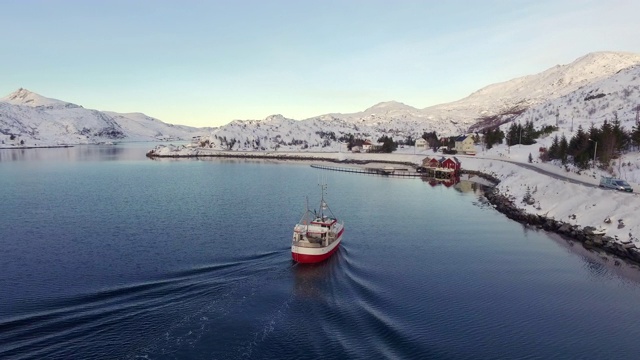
(309, 259)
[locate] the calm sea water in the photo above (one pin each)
(106, 254)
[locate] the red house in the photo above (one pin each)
(434, 163)
(451, 163)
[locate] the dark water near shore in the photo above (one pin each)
(107, 254)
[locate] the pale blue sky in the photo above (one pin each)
(205, 63)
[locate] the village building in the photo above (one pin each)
(443, 168)
(451, 163)
(464, 144)
(435, 162)
(421, 144)
(369, 146)
(366, 145)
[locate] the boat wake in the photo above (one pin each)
(156, 317)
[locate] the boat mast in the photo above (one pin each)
(323, 205)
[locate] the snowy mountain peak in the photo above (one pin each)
(276, 119)
(563, 78)
(387, 106)
(25, 97)
(607, 57)
(501, 101)
(28, 98)
(593, 66)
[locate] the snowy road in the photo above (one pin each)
(551, 174)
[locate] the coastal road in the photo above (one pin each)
(549, 173)
(539, 170)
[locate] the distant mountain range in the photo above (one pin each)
(597, 86)
(33, 120)
(594, 87)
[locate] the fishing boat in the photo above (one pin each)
(317, 235)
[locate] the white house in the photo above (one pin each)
(366, 145)
(421, 144)
(464, 145)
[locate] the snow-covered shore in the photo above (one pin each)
(566, 196)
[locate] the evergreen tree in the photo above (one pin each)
(492, 136)
(563, 149)
(409, 141)
(635, 136)
(350, 140)
(512, 135)
(451, 142)
(622, 138)
(499, 136)
(554, 149)
(528, 133)
(432, 139)
(487, 138)
(606, 143)
(578, 148)
(388, 145)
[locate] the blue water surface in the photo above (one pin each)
(107, 254)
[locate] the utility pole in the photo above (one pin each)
(572, 124)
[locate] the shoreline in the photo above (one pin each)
(502, 202)
(625, 250)
(36, 147)
(270, 156)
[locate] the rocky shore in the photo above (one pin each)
(587, 235)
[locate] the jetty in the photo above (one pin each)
(390, 171)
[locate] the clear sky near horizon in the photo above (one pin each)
(206, 63)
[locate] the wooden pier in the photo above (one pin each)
(430, 172)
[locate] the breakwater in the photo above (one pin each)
(368, 171)
(274, 156)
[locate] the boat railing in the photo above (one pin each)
(306, 244)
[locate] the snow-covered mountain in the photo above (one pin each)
(594, 87)
(34, 120)
(491, 105)
(613, 97)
